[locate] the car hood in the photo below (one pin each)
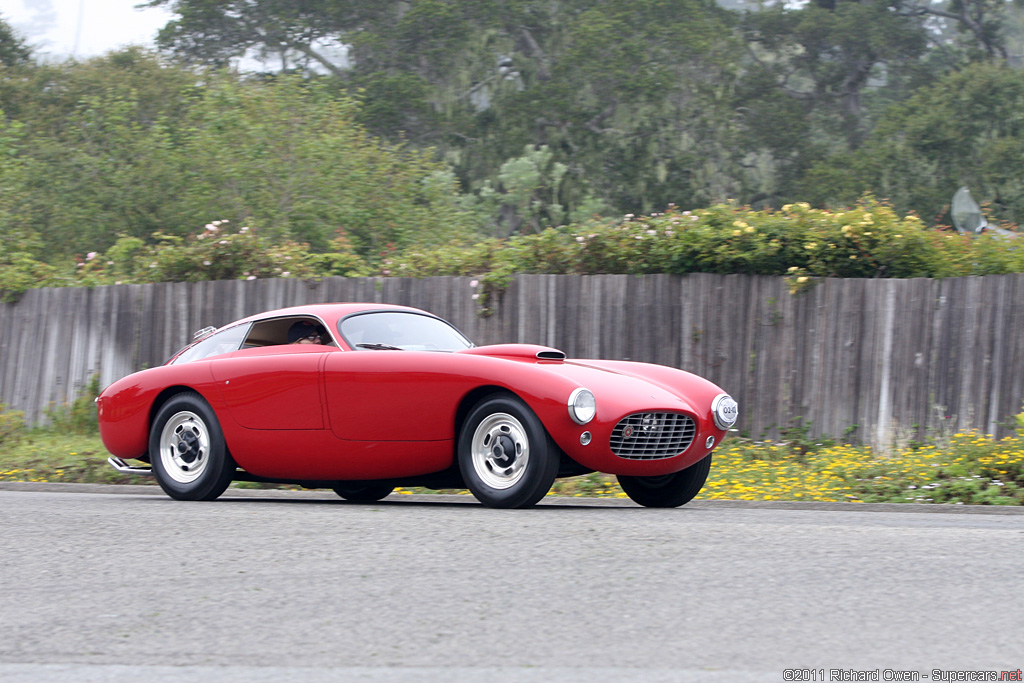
(620, 386)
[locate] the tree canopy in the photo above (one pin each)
(633, 105)
(423, 122)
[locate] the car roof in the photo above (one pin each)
(330, 313)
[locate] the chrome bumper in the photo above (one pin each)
(124, 468)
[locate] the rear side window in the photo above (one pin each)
(224, 341)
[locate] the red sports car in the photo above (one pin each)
(361, 398)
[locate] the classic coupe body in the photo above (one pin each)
(361, 398)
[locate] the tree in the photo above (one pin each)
(13, 49)
(822, 57)
(632, 99)
(966, 129)
(125, 145)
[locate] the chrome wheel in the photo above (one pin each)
(500, 450)
(506, 457)
(184, 447)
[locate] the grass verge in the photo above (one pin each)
(966, 468)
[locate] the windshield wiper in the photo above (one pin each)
(379, 347)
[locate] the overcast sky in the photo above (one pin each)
(82, 28)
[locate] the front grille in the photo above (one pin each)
(652, 436)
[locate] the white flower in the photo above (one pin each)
(475, 296)
(222, 242)
(652, 232)
(474, 283)
(251, 277)
(286, 273)
(211, 227)
(90, 256)
(245, 229)
(206, 263)
(581, 238)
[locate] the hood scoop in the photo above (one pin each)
(518, 351)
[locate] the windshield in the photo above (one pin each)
(386, 330)
(224, 341)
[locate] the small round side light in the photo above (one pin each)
(710, 443)
(585, 438)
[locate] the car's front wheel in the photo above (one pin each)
(506, 457)
(187, 449)
(670, 490)
(363, 491)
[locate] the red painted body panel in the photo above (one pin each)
(307, 412)
(265, 390)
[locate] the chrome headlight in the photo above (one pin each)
(725, 410)
(582, 406)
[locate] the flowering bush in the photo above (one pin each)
(215, 253)
(797, 242)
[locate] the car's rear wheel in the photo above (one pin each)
(363, 491)
(670, 490)
(506, 457)
(187, 449)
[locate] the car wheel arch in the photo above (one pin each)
(166, 395)
(471, 399)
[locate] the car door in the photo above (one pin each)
(393, 395)
(274, 387)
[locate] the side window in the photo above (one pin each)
(277, 331)
(225, 341)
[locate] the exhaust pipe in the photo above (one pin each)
(124, 468)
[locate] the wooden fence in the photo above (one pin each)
(873, 360)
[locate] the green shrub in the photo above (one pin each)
(78, 416)
(12, 425)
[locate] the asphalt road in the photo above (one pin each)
(271, 586)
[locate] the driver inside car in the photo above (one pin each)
(304, 332)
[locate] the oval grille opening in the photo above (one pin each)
(652, 436)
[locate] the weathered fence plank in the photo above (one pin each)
(883, 360)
